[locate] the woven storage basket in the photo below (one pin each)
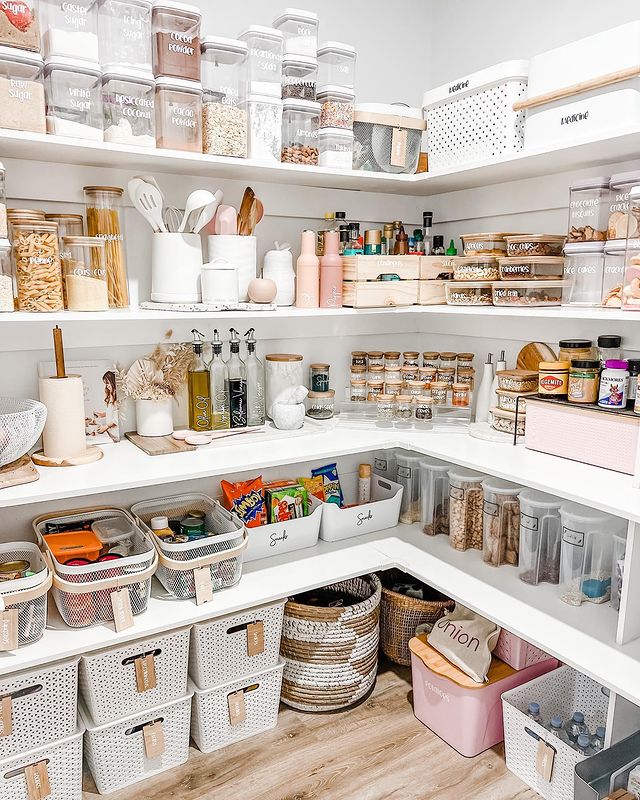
(28, 596)
(400, 616)
(331, 654)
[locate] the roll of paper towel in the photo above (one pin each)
(64, 431)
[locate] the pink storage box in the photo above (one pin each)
(602, 438)
(517, 653)
(467, 715)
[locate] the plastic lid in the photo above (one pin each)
(261, 30)
(583, 740)
(172, 5)
(549, 284)
(117, 71)
(586, 364)
(460, 86)
(335, 132)
(434, 463)
(541, 499)
(482, 259)
(572, 248)
(550, 366)
(292, 58)
(469, 284)
(523, 374)
(609, 340)
(297, 14)
(301, 105)
(601, 182)
(488, 236)
(159, 523)
(584, 513)
(341, 91)
(530, 260)
(575, 344)
(534, 708)
(621, 178)
(253, 97)
(112, 529)
(600, 731)
(535, 237)
(634, 363)
(613, 245)
(464, 474)
(76, 64)
(339, 48)
(223, 43)
(616, 363)
(556, 722)
(25, 56)
(327, 394)
(578, 717)
(283, 357)
(195, 87)
(498, 486)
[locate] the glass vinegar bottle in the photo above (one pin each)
(237, 383)
(255, 382)
(219, 387)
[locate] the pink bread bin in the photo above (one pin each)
(467, 715)
(517, 653)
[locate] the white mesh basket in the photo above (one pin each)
(83, 594)
(219, 650)
(60, 762)
(27, 595)
(560, 693)
(222, 553)
(125, 680)
(376, 128)
(21, 424)
(212, 724)
(42, 705)
(116, 753)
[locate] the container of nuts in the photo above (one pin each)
(36, 256)
(485, 244)
(530, 294)
(501, 522)
(535, 244)
(476, 268)
(531, 268)
(300, 124)
(473, 293)
(465, 508)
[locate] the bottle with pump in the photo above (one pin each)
(255, 382)
(237, 383)
(219, 386)
(484, 397)
(500, 366)
(427, 222)
(308, 273)
(199, 390)
(331, 273)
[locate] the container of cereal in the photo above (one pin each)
(465, 508)
(408, 476)
(507, 401)
(501, 522)
(588, 210)
(128, 106)
(36, 256)
(21, 90)
(336, 107)
(73, 92)
(485, 244)
(300, 119)
(540, 538)
(124, 29)
(535, 244)
(518, 380)
(224, 109)
(473, 293)
(265, 127)
(176, 40)
(300, 31)
(434, 495)
(505, 422)
(337, 65)
(476, 268)
(299, 77)
(265, 60)
(624, 216)
(527, 293)
(179, 114)
(531, 268)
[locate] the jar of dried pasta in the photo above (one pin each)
(104, 221)
(37, 261)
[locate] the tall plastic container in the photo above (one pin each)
(465, 508)
(501, 522)
(224, 110)
(408, 476)
(265, 46)
(540, 537)
(434, 496)
(617, 572)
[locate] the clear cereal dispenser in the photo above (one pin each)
(501, 522)
(434, 491)
(540, 538)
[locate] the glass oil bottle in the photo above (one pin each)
(255, 382)
(237, 383)
(199, 391)
(219, 386)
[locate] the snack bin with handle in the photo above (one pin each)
(285, 537)
(27, 596)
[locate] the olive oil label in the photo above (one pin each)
(6, 721)
(204, 586)
(153, 739)
(237, 708)
(122, 613)
(145, 667)
(9, 629)
(255, 638)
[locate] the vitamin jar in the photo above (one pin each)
(299, 76)
(588, 210)
(337, 65)
(179, 114)
(300, 132)
(21, 91)
(36, 256)
(224, 108)
(265, 60)
(73, 91)
(176, 40)
(265, 127)
(614, 385)
(336, 107)
(553, 378)
(335, 148)
(584, 377)
(70, 29)
(128, 107)
(583, 271)
(124, 29)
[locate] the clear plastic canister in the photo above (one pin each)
(337, 64)
(6, 277)
(583, 274)
(73, 92)
(408, 476)
(128, 104)
(22, 90)
(266, 46)
(178, 114)
(631, 288)
(624, 216)
(85, 273)
(300, 31)
(4, 231)
(224, 110)
(540, 537)
(124, 28)
(336, 107)
(588, 210)
(300, 121)
(335, 148)
(104, 220)
(501, 522)
(384, 464)
(21, 24)
(36, 256)
(299, 77)
(434, 496)
(265, 127)
(176, 40)
(70, 29)
(617, 574)
(465, 508)
(613, 273)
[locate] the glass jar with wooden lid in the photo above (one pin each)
(68, 225)
(282, 371)
(358, 393)
(448, 360)
(104, 220)
(466, 376)
(409, 372)
(461, 395)
(358, 372)
(319, 377)
(85, 274)
(393, 388)
(376, 358)
(358, 358)
(392, 358)
(36, 256)
(410, 358)
(465, 360)
(431, 359)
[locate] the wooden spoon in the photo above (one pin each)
(245, 209)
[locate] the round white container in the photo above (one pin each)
(219, 282)
(154, 417)
(282, 371)
(240, 252)
(176, 268)
(278, 267)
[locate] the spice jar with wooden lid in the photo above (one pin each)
(376, 358)
(431, 359)
(392, 359)
(460, 395)
(410, 358)
(358, 358)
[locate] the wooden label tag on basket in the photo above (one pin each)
(9, 629)
(122, 613)
(153, 739)
(204, 585)
(37, 778)
(237, 708)
(255, 638)
(544, 760)
(6, 720)
(145, 667)
(398, 148)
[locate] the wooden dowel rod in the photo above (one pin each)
(59, 352)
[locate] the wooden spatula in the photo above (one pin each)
(245, 210)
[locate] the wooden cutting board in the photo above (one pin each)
(533, 353)
(159, 445)
(18, 472)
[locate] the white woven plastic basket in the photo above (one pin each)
(222, 553)
(42, 706)
(219, 650)
(560, 693)
(60, 762)
(119, 681)
(116, 752)
(211, 723)
(21, 423)
(27, 595)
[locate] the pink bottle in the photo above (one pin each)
(308, 273)
(331, 272)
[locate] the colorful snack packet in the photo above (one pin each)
(287, 504)
(246, 499)
(331, 481)
(315, 486)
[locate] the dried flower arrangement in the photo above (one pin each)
(158, 376)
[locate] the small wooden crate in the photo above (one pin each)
(436, 267)
(378, 294)
(431, 293)
(370, 268)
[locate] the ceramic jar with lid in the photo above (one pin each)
(73, 91)
(124, 29)
(282, 371)
(70, 29)
(128, 106)
(588, 210)
(583, 272)
(176, 40)
(224, 78)
(21, 90)
(179, 114)
(265, 50)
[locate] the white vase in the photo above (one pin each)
(154, 417)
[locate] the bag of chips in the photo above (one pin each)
(246, 499)
(331, 482)
(315, 486)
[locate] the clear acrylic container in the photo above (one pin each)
(70, 29)
(485, 244)
(73, 91)
(587, 553)
(434, 496)
(224, 108)
(265, 127)
(540, 538)
(265, 60)
(176, 40)
(335, 148)
(36, 256)
(7, 302)
(506, 422)
(465, 508)
(68, 225)
(104, 220)
(300, 121)
(22, 90)
(507, 401)
(337, 65)
(531, 268)
(583, 272)
(299, 77)
(4, 231)
(408, 476)
(588, 210)
(178, 115)
(501, 522)
(624, 216)
(459, 293)
(476, 268)
(85, 273)
(532, 245)
(617, 573)
(613, 273)
(631, 288)
(336, 107)
(300, 31)
(528, 294)
(21, 25)
(124, 28)
(128, 105)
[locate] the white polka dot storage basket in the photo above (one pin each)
(471, 119)
(120, 681)
(27, 596)
(559, 693)
(331, 653)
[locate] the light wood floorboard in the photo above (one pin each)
(376, 751)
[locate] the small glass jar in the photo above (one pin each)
(85, 274)
(416, 388)
(128, 107)
(465, 360)
(460, 395)
(358, 373)
(337, 65)
(376, 372)
(70, 29)
(358, 358)
(104, 220)
(393, 388)
(179, 115)
(411, 358)
(427, 375)
(423, 409)
(404, 409)
(265, 128)
(583, 274)
(476, 268)
(447, 375)
(374, 388)
(358, 392)
(588, 210)
(392, 359)
(300, 31)
(300, 132)
(321, 404)
(584, 377)
(582, 349)
(392, 374)
(385, 409)
(176, 40)
(68, 225)
(299, 76)
(335, 148)
(431, 359)
(409, 373)
(448, 360)
(336, 107)
(73, 91)
(319, 377)
(124, 29)
(36, 256)
(266, 47)
(22, 107)
(440, 393)
(7, 302)
(375, 358)
(466, 376)
(224, 108)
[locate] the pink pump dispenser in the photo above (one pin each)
(331, 272)
(308, 273)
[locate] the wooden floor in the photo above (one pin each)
(376, 751)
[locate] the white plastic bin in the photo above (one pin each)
(471, 119)
(120, 681)
(236, 710)
(284, 537)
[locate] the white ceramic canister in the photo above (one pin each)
(278, 267)
(282, 371)
(240, 251)
(154, 417)
(219, 282)
(176, 268)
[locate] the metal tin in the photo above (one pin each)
(12, 570)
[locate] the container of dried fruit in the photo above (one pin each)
(507, 400)
(224, 83)
(613, 273)
(540, 538)
(336, 107)
(473, 293)
(434, 496)
(505, 422)
(624, 216)
(465, 508)
(300, 121)
(528, 294)
(531, 268)
(36, 256)
(588, 210)
(476, 268)
(501, 522)
(518, 380)
(535, 244)
(485, 244)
